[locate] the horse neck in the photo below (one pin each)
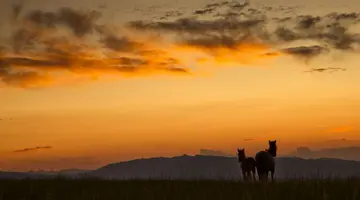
(271, 151)
(244, 159)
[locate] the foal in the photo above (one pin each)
(248, 165)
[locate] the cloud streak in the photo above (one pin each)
(32, 149)
(327, 69)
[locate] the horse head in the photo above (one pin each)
(272, 148)
(241, 155)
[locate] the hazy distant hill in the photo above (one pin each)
(346, 153)
(67, 173)
(21, 175)
(216, 167)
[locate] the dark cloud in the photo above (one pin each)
(81, 23)
(306, 52)
(328, 69)
(215, 41)
(204, 11)
(23, 79)
(16, 10)
(329, 31)
(19, 78)
(308, 21)
(24, 39)
(120, 44)
(254, 11)
(281, 19)
(344, 16)
(32, 149)
(229, 15)
(43, 19)
(212, 5)
(171, 14)
(21, 61)
(195, 26)
(132, 61)
(177, 70)
(286, 34)
(240, 6)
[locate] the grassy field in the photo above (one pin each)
(178, 190)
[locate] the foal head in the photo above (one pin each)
(272, 148)
(241, 155)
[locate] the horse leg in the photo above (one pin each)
(272, 174)
(266, 176)
(259, 175)
(244, 176)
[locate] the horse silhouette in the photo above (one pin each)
(248, 165)
(265, 162)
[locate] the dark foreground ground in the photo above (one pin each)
(178, 190)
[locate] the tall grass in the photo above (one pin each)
(61, 189)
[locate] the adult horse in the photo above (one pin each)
(265, 162)
(248, 165)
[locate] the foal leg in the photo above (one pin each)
(253, 174)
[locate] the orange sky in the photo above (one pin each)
(91, 113)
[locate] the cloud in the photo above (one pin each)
(328, 69)
(170, 14)
(327, 30)
(16, 10)
(120, 44)
(48, 45)
(240, 6)
(196, 26)
(306, 52)
(24, 39)
(40, 51)
(204, 11)
(80, 23)
(33, 149)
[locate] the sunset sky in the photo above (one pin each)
(87, 83)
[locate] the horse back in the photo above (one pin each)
(251, 161)
(264, 161)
